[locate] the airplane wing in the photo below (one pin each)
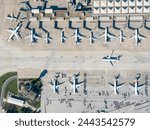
(27, 37)
(72, 35)
(61, 83)
(111, 63)
(10, 30)
(112, 53)
(111, 84)
(120, 85)
(102, 35)
(19, 35)
(140, 86)
(51, 83)
(65, 37)
(123, 36)
(16, 35)
(79, 84)
(111, 35)
(141, 37)
(94, 38)
(8, 17)
(81, 36)
(36, 37)
(70, 81)
(50, 39)
(132, 36)
(132, 84)
(58, 86)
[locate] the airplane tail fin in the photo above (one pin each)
(119, 57)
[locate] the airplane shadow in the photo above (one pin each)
(99, 25)
(85, 85)
(129, 25)
(85, 25)
(41, 26)
(70, 25)
(114, 25)
(28, 24)
(145, 25)
(56, 25)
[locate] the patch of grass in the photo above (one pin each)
(6, 76)
(11, 87)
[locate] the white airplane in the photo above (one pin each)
(75, 84)
(136, 85)
(47, 39)
(78, 36)
(11, 17)
(121, 36)
(91, 38)
(63, 37)
(111, 58)
(107, 35)
(33, 36)
(116, 85)
(14, 32)
(55, 85)
(137, 36)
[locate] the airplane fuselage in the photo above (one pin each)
(115, 86)
(106, 34)
(74, 87)
(136, 88)
(32, 36)
(136, 36)
(47, 38)
(55, 85)
(112, 59)
(121, 37)
(91, 38)
(76, 36)
(62, 37)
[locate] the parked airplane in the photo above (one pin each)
(63, 37)
(12, 17)
(55, 85)
(92, 38)
(27, 6)
(136, 85)
(57, 75)
(47, 39)
(116, 85)
(77, 36)
(111, 58)
(14, 32)
(121, 36)
(74, 83)
(33, 36)
(107, 35)
(137, 36)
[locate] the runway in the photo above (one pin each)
(72, 60)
